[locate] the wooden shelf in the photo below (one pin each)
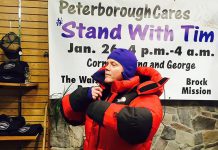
(18, 84)
(21, 87)
(18, 138)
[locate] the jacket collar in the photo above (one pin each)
(124, 85)
(154, 83)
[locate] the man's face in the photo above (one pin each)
(113, 71)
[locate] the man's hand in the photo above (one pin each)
(96, 92)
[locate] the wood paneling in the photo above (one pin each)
(9, 3)
(36, 4)
(25, 25)
(6, 10)
(38, 65)
(34, 43)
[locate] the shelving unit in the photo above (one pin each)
(2, 84)
(18, 138)
(37, 99)
(21, 87)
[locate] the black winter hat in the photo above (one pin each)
(10, 44)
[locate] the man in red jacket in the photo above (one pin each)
(124, 111)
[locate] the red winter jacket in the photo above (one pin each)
(126, 118)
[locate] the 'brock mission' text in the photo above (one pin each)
(192, 89)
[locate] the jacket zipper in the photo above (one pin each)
(99, 129)
(98, 139)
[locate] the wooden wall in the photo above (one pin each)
(34, 43)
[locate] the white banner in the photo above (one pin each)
(178, 38)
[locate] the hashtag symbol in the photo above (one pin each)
(59, 22)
